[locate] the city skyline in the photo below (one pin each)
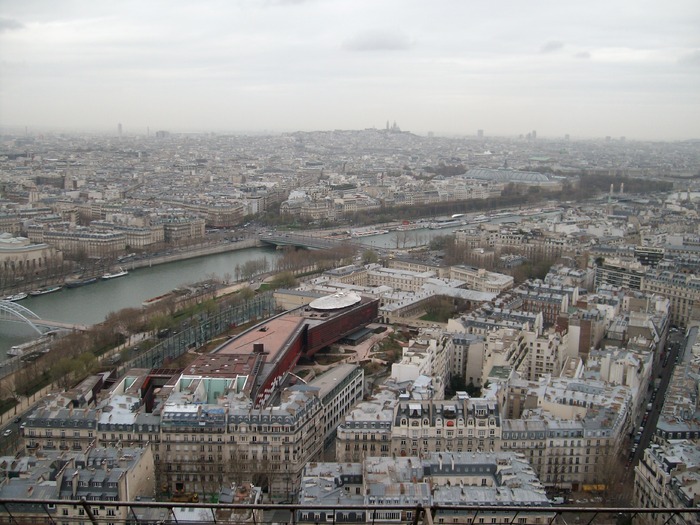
(588, 71)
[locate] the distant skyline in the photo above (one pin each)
(587, 69)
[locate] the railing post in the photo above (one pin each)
(12, 518)
(135, 516)
(88, 511)
(417, 513)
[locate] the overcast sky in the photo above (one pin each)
(588, 68)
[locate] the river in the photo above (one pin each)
(92, 303)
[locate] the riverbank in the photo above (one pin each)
(182, 254)
(145, 261)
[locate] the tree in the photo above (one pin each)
(246, 293)
(86, 364)
(610, 473)
(63, 371)
(457, 384)
(369, 256)
(439, 242)
(284, 280)
(160, 321)
(439, 309)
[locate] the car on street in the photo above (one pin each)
(7, 432)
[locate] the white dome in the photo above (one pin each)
(335, 301)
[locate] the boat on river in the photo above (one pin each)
(44, 291)
(446, 222)
(367, 233)
(37, 345)
(408, 226)
(16, 297)
(80, 282)
(121, 273)
(157, 299)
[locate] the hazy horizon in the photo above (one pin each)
(590, 70)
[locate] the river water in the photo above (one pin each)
(92, 303)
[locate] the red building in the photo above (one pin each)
(266, 353)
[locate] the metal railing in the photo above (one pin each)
(21, 511)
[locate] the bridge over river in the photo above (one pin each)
(14, 312)
(308, 241)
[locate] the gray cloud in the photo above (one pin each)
(274, 3)
(378, 40)
(551, 46)
(7, 24)
(317, 64)
(691, 59)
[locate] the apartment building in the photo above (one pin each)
(136, 236)
(350, 274)
(490, 318)
(440, 480)
(428, 355)
(564, 453)
(668, 475)
(222, 215)
(551, 301)
(181, 229)
(206, 445)
(586, 329)
(20, 258)
(403, 280)
(54, 427)
(467, 357)
(339, 389)
(413, 265)
(683, 291)
(458, 425)
(504, 347)
(573, 431)
(205, 433)
(480, 279)
(81, 241)
(10, 223)
(546, 354)
(620, 273)
(98, 474)
(567, 429)
(366, 429)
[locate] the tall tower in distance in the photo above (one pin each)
(480, 133)
(119, 129)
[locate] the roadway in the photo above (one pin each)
(672, 350)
